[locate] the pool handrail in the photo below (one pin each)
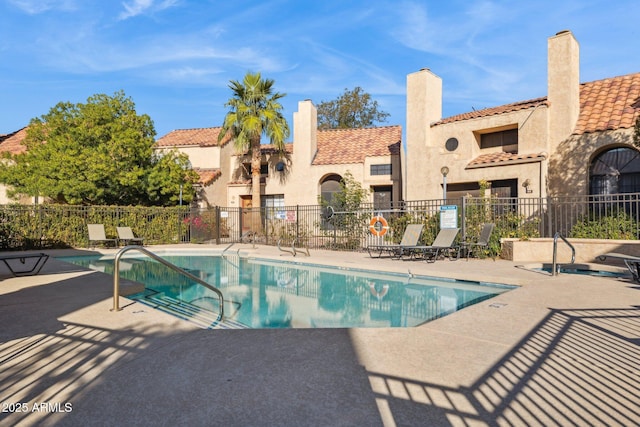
(554, 264)
(116, 276)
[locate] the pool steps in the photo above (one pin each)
(204, 319)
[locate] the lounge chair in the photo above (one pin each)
(97, 235)
(126, 235)
(632, 263)
(444, 243)
(482, 241)
(410, 238)
(24, 264)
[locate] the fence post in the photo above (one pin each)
(463, 221)
(240, 222)
(297, 222)
(217, 225)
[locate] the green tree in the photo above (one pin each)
(351, 194)
(636, 132)
(254, 111)
(97, 153)
(353, 109)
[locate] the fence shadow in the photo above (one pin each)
(577, 367)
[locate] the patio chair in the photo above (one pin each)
(444, 243)
(24, 264)
(480, 242)
(97, 235)
(126, 235)
(409, 239)
(632, 263)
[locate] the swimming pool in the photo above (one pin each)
(263, 293)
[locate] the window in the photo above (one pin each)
(507, 139)
(246, 170)
(615, 171)
(273, 205)
(381, 169)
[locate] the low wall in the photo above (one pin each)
(587, 250)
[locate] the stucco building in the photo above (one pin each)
(577, 140)
(311, 166)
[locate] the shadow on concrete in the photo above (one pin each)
(577, 367)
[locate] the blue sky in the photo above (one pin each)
(175, 58)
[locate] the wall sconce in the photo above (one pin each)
(444, 171)
(527, 186)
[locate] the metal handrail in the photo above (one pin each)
(116, 277)
(554, 264)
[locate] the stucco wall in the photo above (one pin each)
(569, 164)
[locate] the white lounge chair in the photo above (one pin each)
(126, 235)
(409, 239)
(443, 243)
(97, 235)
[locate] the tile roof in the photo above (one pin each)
(12, 142)
(201, 137)
(346, 146)
(494, 111)
(207, 176)
(608, 104)
(266, 149)
(499, 159)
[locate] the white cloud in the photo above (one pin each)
(139, 7)
(34, 7)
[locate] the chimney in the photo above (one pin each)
(563, 81)
(424, 106)
(305, 132)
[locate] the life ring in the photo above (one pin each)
(378, 226)
(375, 293)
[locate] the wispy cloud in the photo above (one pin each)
(140, 7)
(34, 7)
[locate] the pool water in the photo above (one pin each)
(260, 293)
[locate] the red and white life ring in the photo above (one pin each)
(378, 226)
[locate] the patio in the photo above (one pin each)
(557, 351)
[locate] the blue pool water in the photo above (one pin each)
(260, 293)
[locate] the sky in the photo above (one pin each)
(175, 58)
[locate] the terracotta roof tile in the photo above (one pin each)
(201, 137)
(494, 111)
(12, 143)
(207, 176)
(493, 159)
(346, 146)
(270, 149)
(609, 104)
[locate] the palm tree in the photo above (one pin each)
(254, 110)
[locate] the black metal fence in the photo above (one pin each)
(603, 217)
(315, 226)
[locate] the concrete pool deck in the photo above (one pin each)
(559, 350)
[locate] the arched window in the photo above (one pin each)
(615, 171)
(329, 186)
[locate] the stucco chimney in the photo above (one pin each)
(563, 81)
(305, 132)
(424, 106)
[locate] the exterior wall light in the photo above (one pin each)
(444, 171)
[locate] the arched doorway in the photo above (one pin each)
(329, 186)
(615, 171)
